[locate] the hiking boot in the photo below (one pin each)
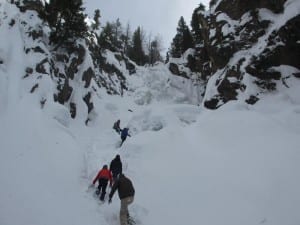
(130, 221)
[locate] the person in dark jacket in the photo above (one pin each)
(126, 194)
(103, 176)
(116, 167)
(116, 127)
(124, 134)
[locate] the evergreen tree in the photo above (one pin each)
(125, 39)
(97, 16)
(195, 24)
(182, 41)
(111, 36)
(66, 20)
(187, 40)
(176, 47)
(106, 37)
(136, 52)
(212, 3)
(117, 32)
(154, 51)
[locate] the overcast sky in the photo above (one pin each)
(155, 16)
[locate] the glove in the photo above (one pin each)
(109, 200)
(91, 185)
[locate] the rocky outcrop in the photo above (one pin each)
(76, 70)
(174, 68)
(185, 66)
(243, 44)
(237, 8)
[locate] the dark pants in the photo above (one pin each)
(102, 188)
(115, 175)
(123, 139)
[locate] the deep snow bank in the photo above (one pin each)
(40, 171)
(236, 166)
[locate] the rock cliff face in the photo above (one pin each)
(247, 48)
(75, 72)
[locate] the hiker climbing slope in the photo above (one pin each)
(116, 167)
(116, 126)
(124, 134)
(103, 176)
(126, 194)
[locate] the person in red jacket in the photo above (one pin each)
(103, 176)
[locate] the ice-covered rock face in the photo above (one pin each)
(143, 97)
(146, 121)
(154, 119)
(241, 44)
(237, 8)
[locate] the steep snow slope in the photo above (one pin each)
(233, 166)
(237, 165)
(40, 171)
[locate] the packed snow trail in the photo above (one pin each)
(101, 145)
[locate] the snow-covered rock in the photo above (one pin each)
(242, 42)
(70, 76)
